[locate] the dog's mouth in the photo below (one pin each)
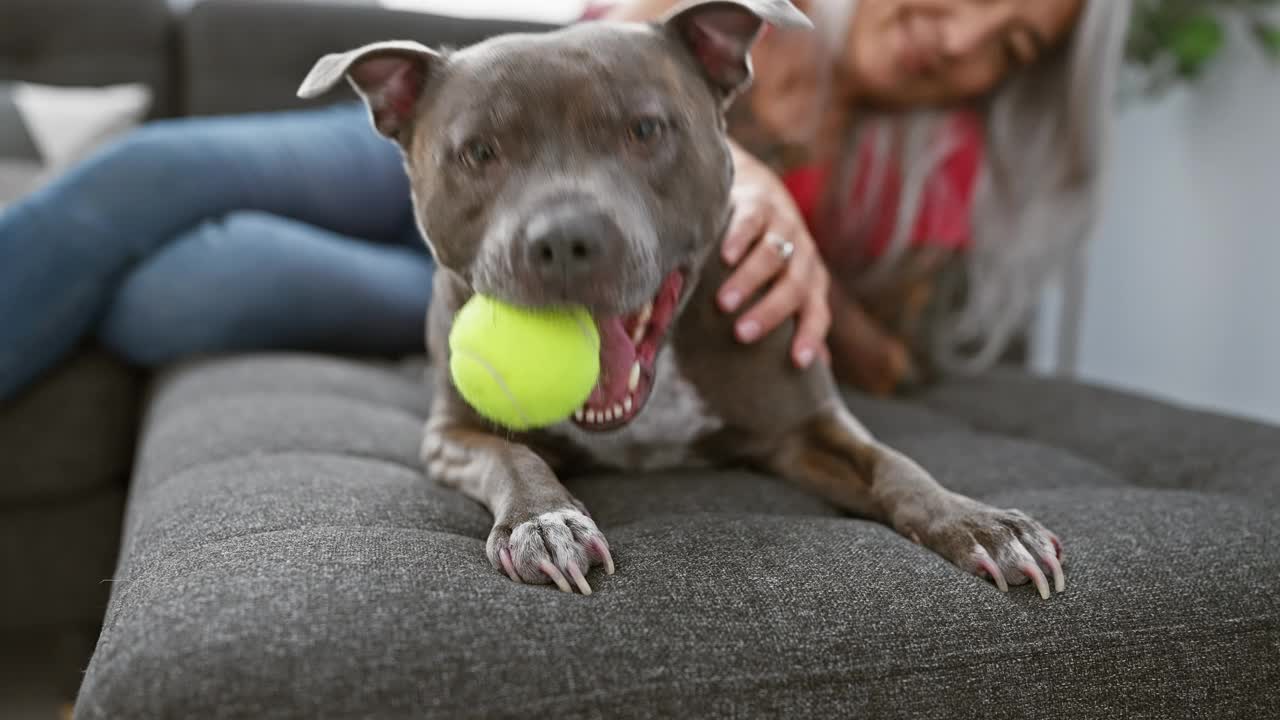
(629, 346)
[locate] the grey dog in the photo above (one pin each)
(590, 166)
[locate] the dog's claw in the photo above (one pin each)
(986, 563)
(505, 556)
(1059, 580)
(556, 576)
(1032, 571)
(558, 546)
(1008, 546)
(601, 546)
(579, 580)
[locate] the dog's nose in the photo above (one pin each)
(569, 245)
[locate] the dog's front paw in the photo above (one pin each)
(549, 546)
(1007, 546)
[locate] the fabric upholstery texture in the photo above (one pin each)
(284, 556)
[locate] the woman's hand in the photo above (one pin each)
(769, 244)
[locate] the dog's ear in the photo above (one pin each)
(720, 33)
(390, 76)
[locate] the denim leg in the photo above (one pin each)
(66, 248)
(255, 281)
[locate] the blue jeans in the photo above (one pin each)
(278, 231)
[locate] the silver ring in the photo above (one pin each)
(785, 247)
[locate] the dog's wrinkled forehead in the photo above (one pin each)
(608, 52)
(566, 79)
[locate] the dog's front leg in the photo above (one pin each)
(834, 455)
(540, 533)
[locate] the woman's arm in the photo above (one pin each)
(764, 218)
(763, 209)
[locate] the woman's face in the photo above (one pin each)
(934, 52)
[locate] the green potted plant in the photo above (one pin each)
(1174, 41)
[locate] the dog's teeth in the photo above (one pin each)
(617, 411)
(626, 404)
(580, 415)
(608, 415)
(634, 381)
(591, 416)
(642, 323)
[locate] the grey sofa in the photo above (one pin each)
(282, 554)
(67, 444)
(284, 557)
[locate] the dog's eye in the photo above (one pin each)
(477, 153)
(646, 129)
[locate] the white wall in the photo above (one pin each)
(539, 10)
(1182, 292)
(554, 11)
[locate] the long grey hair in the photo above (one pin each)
(1038, 188)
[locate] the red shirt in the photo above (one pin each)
(945, 207)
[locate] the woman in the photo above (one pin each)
(245, 233)
(945, 154)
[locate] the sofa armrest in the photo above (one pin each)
(251, 55)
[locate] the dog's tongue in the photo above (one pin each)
(617, 355)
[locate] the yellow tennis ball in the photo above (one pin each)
(523, 368)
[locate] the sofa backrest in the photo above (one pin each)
(90, 43)
(251, 55)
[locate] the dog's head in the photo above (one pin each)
(583, 166)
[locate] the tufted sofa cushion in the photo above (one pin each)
(284, 557)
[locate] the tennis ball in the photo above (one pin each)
(523, 368)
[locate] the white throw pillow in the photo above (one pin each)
(45, 128)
